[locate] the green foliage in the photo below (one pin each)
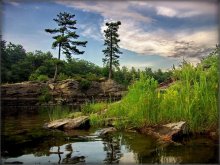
(75, 114)
(59, 112)
(135, 108)
(45, 96)
(96, 120)
(33, 77)
(111, 51)
(11, 54)
(65, 37)
(37, 77)
(126, 77)
(193, 98)
(84, 84)
(89, 108)
(42, 78)
(62, 76)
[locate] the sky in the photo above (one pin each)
(155, 34)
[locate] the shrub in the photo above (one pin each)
(84, 84)
(42, 78)
(62, 76)
(33, 77)
(45, 96)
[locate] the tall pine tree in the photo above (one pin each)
(65, 38)
(112, 49)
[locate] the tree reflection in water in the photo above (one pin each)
(112, 146)
(72, 160)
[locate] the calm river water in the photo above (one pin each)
(24, 140)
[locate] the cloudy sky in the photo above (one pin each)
(154, 34)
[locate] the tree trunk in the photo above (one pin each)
(55, 74)
(110, 63)
(56, 68)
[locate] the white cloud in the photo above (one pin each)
(166, 11)
(175, 42)
(14, 3)
(90, 32)
(184, 9)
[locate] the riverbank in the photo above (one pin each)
(192, 98)
(68, 92)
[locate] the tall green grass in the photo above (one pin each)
(58, 112)
(192, 98)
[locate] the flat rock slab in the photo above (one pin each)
(81, 122)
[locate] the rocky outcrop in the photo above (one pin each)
(62, 92)
(81, 122)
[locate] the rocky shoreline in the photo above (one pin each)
(68, 92)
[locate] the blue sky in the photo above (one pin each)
(154, 34)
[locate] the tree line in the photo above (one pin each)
(18, 65)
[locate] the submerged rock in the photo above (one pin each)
(15, 162)
(81, 122)
(105, 131)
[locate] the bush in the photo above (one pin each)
(42, 78)
(92, 77)
(33, 77)
(84, 84)
(62, 76)
(45, 96)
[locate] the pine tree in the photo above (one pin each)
(65, 38)
(112, 49)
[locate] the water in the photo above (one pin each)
(24, 140)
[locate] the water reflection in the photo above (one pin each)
(24, 140)
(112, 147)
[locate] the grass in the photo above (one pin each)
(61, 112)
(192, 98)
(89, 108)
(58, 112)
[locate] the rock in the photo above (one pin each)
(81, 122)
(56, 123)
(51, 86)
(15, 162)
(176, 126)
(62, 92)
(74, 160)
(168, 133)
(105, 131)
